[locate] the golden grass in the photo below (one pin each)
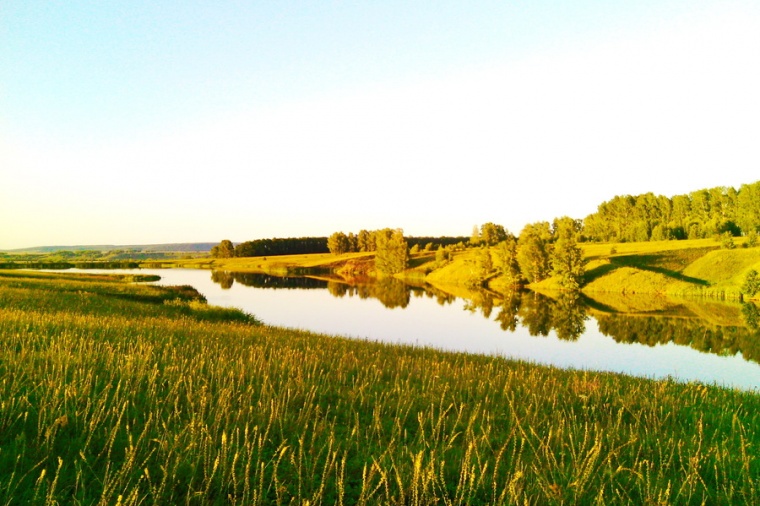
(725, 266)
(591, 250)
(124, 400)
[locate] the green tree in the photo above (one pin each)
(353, 242)
(751, 239)
(475, 236)
(482, 266)
(224, 249)
(442, 255)
(506, 257)
(567, 258)
(392, 253)
(566, 226)
(748, 208)
(492, 234)
(751, 284)
(365, 241)
(533, 251)
(338, 243)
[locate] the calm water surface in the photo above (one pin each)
(531, 328)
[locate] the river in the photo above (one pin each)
(657, 339)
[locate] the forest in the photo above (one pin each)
(698, 215)
(338, 243)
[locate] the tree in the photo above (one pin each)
(338, 243)
(475, 237)
(224, 249)
(751, 239)
(392, 253)
(483, 266)
(353, 243)
(567, 257)
(506, 257)
(748, 212)
(442, 255)
(492, 234)
(567, 226)
(533, 251)
(751, 284)
(365, 241)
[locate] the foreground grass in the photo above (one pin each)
(144, 398)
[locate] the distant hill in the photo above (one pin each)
(192, 247)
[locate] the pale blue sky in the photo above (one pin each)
(126, 122)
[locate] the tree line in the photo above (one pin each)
(540, 251)
(697, 215)
(338, 243)
(389, 245)
(366, 241)
(270, 247)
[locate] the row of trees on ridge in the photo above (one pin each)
(390, 246)
(697, 215)
(270, 247)
(542, 250)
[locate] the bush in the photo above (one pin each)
(751, 239)
(751, 284)
(727, 241)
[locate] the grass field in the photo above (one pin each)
(114, 393)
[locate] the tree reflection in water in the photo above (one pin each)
(223, 278)
(391, 292)
(508, 310)
(693, 332)
(751, 315)
(564, 313)
(540, 314)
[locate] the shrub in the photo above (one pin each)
(751, 284)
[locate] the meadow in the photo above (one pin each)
(120, 393)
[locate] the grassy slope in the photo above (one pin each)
(696, 268)
(129, 399)
(680, 268)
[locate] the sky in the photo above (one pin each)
(148, 122)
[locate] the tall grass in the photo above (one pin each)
(112, 400)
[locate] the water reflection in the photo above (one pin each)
(257, 280)
(695, 333)
(391, 292)
(720, 329)
(540, 314)
(751, 316)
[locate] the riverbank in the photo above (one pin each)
(125, 393)
(691, 268)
